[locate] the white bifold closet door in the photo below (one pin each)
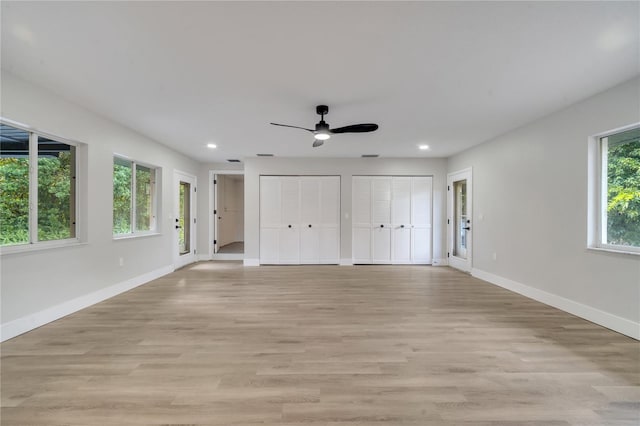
(299, 219)
(392, 219)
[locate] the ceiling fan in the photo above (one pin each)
(323, 132)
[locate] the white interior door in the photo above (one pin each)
(329, 229)
(270, 219)
(401, 220)
(459, 214)
(184, 219)
(290, 220)
(381, 212)
(421, 219)
(310, 220)
(361, 220)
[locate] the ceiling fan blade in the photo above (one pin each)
(295, 127)
(317, 143)
(356, 128)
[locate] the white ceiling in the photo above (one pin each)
(450, 75)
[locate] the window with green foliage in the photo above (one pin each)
(134, 197)
(37, 188)
(620, 190)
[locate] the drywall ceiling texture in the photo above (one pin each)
(345, 168)
(448, 74)
(35, 281)
(530, 206)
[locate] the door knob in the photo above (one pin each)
(401, 226)
(178, 227)
(309, 225)
(381, 226)
(289, 226)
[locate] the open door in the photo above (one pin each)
(184, 220)
(459, 215)
(227, 219)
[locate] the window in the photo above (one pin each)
(134, 198)
(37, 187)
(619, 195)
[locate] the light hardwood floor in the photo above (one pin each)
(219, 344)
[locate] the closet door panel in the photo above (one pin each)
(421, 217)
(269, 247)
(421, 246)
(290, 193)
(289, 245)
(421, 188)
(309, 245)
(381, 200)
(361, 199)
(310, 200)
(329, 245)
(381, 245)
(401, 201)
(401, 245)
(270, 201)
(362, 245)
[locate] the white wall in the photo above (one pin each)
(530, 187)
(37, 281)
(345, 168)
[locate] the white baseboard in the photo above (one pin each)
(605, 319)
(227, 256)
(440, 262)
(346, 262)
(30, 322)
(251, 262)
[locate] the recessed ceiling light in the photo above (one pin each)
(423, 147)
(212, 145)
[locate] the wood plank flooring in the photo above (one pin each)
(219, 344)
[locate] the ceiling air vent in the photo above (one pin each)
(233, 160)
(370, 155)
(264, 155)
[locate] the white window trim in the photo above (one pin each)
(597, 202)
(154, 228)
(33, 244)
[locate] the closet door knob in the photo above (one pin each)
(289, 226)
(401, 226)
(309, 225)
(381, 226)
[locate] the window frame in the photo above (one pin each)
(598, 153)
(34, 244)
(154, 223)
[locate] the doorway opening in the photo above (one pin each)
(228, 216)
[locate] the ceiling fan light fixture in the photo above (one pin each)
(322, 135)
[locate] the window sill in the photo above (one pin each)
(37, 247)
(135, 236)
(613, 251)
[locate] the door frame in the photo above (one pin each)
(178, 260)
(213, 223)
(457, 262)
